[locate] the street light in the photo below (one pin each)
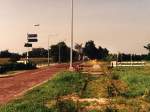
(71, 49)
(48, 58)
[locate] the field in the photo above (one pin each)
(124, 89)
(137, 79)
(4, 61)
(34, 60)
(39, 60)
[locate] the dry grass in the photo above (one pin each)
(34, 60)
(4, 61)
(37, 60)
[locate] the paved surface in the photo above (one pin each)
(10, 87)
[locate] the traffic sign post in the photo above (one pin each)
(30, 39)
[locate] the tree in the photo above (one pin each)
(37, 53)
(79, 49)
(5, 54)
(62, 51)
(102, 52)
(14, 57)
(147, 47)
(90, 50)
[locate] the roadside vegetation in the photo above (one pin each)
(137, 79)
(45, 98)
(16, 66)
(124, 89)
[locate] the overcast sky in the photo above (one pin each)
(119, 25)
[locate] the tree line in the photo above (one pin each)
(61, 52)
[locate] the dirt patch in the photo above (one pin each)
(83, 104)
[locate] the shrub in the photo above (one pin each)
(16, 66)
(115, 77)
(112, 90)
(110, 109)
(66, 106)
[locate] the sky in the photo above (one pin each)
(119, 25)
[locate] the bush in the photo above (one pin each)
(112, 90)
(67, 106)
(16, 66)
(14, 58)
(2, 69)
(110, 109)
(115, 77)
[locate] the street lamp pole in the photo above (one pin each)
(72, 25)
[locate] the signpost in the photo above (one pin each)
(30, 39)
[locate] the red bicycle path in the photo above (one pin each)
(13, 86)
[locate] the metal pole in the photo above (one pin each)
(71, 49)
(48, 52)
(27, 55)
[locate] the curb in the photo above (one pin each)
(19, 95)
(12, 75)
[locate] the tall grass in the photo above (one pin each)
(137, 78)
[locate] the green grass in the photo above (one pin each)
(44, 98)
(35, 100)
(137, 79)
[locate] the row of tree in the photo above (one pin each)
(131, 57)
(13, 56)
(61, 52)
(93, 52)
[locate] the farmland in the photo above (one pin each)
(4, 61)
(34, 60)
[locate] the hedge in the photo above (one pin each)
(16, 66)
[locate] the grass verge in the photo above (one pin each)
(36, 99)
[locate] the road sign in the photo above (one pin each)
(32, 37)
(33, 40)
(28, 45)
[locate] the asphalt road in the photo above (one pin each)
(12, 87)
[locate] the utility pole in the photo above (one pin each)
(72, 26)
